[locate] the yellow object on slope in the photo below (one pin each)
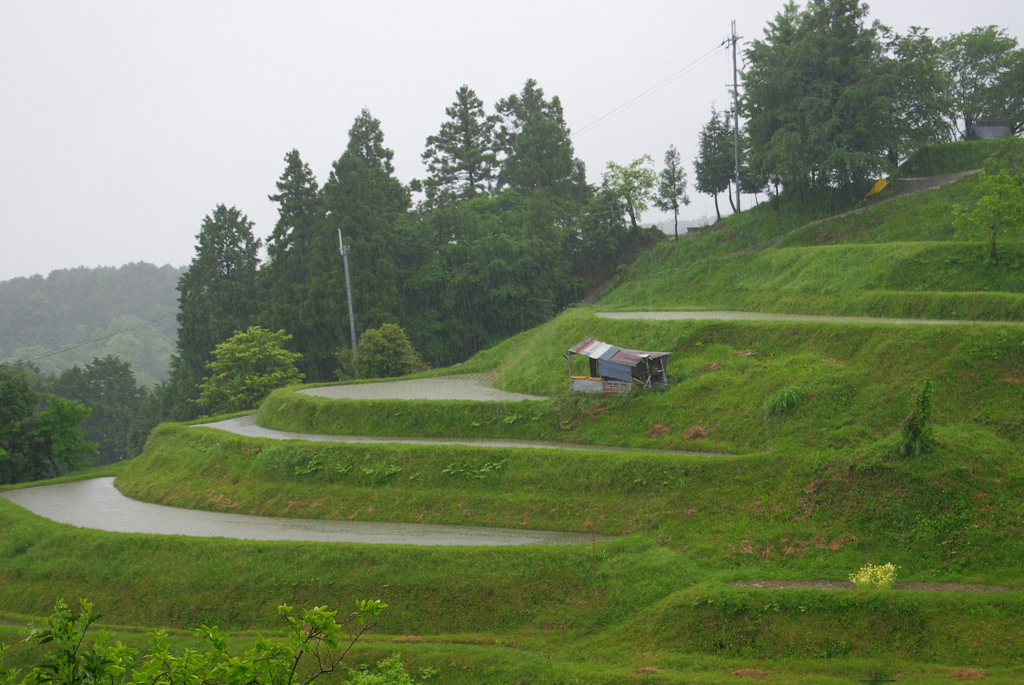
(879, 186)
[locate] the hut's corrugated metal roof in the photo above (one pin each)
(595, 349)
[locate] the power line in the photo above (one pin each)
(102, 337)
(693, 48)
(652, 90)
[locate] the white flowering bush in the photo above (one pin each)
(871, 576)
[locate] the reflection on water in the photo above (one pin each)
(98, 504)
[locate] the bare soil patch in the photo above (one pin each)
(647, 670)
(696, 432)
(841, 585)
(750, 673)
(658, 430)
(970, 673)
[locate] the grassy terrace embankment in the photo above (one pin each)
(857, 381)
(896, 256)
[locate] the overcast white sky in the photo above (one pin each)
(122, 124)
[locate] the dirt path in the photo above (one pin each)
(838, 585)
(246, 426)
(760, 316)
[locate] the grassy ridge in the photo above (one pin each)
(807, 624)
(857, 381)
(895, 257)
(952, 516)
(497, 594)
(545, 659)
(948, 158)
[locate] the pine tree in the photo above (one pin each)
(538, 151)
(300, 252)
(364, 200)
(461, 158)
(217, 296)
(672, 186)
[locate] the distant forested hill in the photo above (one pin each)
(69, 307)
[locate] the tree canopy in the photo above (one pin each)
(672, 186)
(714, 166)
(39, 437)
(245, 368)
(981, 64)
(107, 387)
(461, 159)
(218, 296)
(818, 97)
(634, 183)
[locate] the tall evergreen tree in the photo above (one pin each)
(298, 291)
(715, 161)
(461, 158)
(820, 98)
(364, 199)
(538, 151)
(217, 296)
(300, 210)
(672, 186)
(108, 388)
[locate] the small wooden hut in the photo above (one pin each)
(616, 369)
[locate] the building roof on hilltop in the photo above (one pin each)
(989, 129)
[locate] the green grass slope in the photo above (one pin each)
(857, 383)
(894, 256)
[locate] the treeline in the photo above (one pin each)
(505, 232)
(75, 315)
(50, 424)
(830, 102)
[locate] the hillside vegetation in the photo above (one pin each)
(895, 256)
(800, 423)
(71, 307)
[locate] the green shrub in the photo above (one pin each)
(783, 402)
(386, 352)
(245, 368)
(916, 437)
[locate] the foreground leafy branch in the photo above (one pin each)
(313, 645)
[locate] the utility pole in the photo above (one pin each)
(736, 110)
(343, 248)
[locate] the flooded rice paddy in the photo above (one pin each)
(98, 504)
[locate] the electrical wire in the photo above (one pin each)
(652, 90)
(693, 48)
(102, 337)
